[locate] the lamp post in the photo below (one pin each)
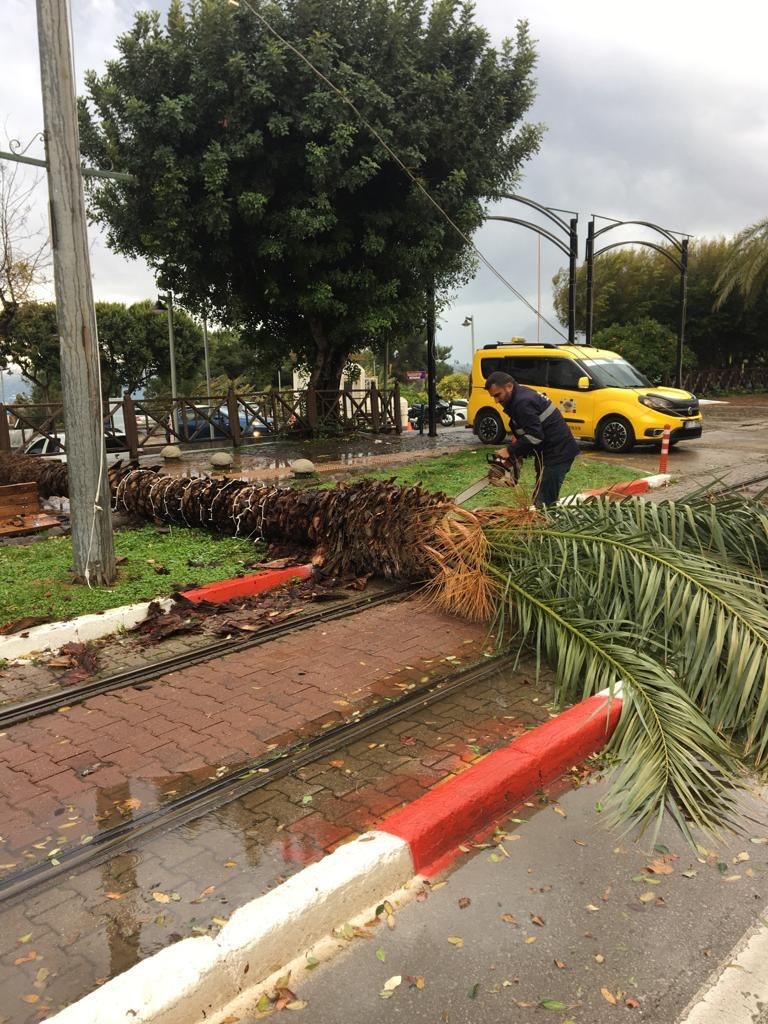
(206, 357)
(165, 304)
(469, 321)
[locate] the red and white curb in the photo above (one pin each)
(52, 635)
(212, 978)
(628, 488)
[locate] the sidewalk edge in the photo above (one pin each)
(196, 979)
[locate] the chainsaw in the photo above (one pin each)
(501, 473)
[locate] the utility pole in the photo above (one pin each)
(431, 367)
(89, 492)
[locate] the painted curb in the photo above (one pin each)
(198, 978)
(246, 586)
(437, 822)
(621, 490)
(53, 635)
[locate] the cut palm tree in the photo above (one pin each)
(746, 265)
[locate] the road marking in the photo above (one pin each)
(737, 992)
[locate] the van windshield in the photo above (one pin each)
(614, 373)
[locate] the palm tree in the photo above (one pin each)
(746, 267)
(668, 599)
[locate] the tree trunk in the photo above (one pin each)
(325, 378)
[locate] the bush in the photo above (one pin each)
(647, 344)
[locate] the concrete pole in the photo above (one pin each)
(89, 495)
(172, 346)
(206, 355)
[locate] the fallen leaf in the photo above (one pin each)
(552, 1004)
(31, 998)
(204, 894)
(608, 996)
(220, 921)
(530, 940)
(114, 895)
(592, 908)
(732, 878)
(579, 842)
(535, 919)
(759, 840)
(264, 1003)
(689, 874)
(509, 919)
(561, 965)
(307, 799)
(472, 994)
(161, 897)
(659, 867)
(632, 1003)
(456, 941)
(740, 857)
(559, 810)
(464, 902)
(24, 938)
(336, 763)
(41, 975)
(230, 863)
(126, 806)
(392, 983)
(381, 955)
(647, 897)
(27, 958)
(297, 1004)
(599, 958)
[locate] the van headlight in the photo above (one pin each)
(655, 402)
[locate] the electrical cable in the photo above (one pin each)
(376, 134)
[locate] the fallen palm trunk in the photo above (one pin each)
(50, 477)
(364, 527)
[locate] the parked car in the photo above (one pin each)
(53, 448)
(602, 397)
(197, 424)
(460, 409)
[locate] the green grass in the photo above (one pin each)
(452, 473)
(36, 579)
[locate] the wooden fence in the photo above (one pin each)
(131, 424)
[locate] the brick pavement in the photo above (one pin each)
(65, 776)
(100, 921)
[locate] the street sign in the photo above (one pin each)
(416, 374)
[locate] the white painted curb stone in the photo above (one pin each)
(658, 480)
(195, 979)
(53, 635)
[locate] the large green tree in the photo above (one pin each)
(262, 197)
(635, 284)
(648, 345)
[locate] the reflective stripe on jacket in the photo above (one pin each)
(538, 428)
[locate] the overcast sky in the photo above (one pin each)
(656, 111)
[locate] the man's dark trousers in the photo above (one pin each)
(550, 481)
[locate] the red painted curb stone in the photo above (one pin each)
(245, 586)
(437, 822)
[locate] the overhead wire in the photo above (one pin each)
(391, 152)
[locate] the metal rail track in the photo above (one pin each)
(245, 779)
(23, 711)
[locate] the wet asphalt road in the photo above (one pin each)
(602, 931)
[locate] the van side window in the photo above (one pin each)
(490, 365)
(564, 373)
(528, 370)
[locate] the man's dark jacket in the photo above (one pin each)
(539, 428)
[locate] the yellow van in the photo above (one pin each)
(602, 397)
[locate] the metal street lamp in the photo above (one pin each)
(469, 321)
(165, 304)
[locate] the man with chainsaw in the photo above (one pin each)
(538, 429)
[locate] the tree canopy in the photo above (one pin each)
(636, 284)
(647, 344)
(133, 347)
(746, 266)
(263, 199)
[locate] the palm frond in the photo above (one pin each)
(670, 757)
(710, 626)
(730, 529)
(746, 266)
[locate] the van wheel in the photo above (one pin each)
(489, 428)
(616, 435)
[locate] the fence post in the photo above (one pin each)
(398, 413)
(312, 409)
(234, 416)
(374, 395)
(131, 431)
